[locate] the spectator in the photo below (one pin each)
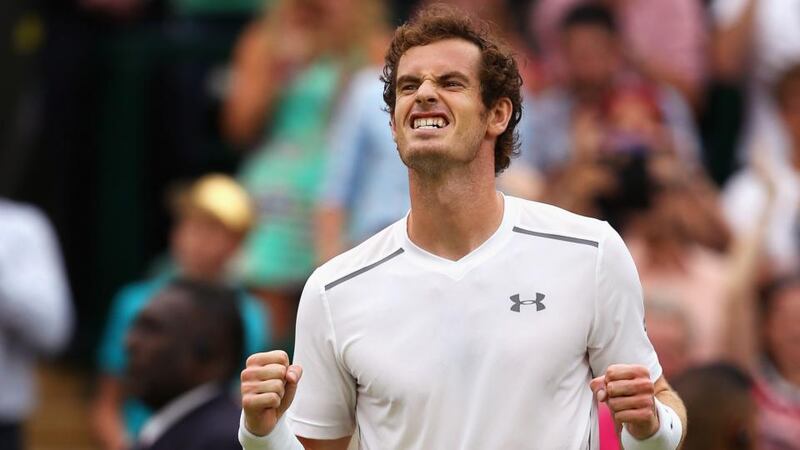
(288, 66)
(755, 41)
(777, 375)
(366, 184)
(35, 311)
(212, 218)
(595, 70)
(678, 61)
(762, 331)
(184, 349)
(747, 191)
(718, 400)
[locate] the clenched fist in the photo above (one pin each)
(268, 387)
(630, 395)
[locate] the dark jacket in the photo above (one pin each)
(211, 426)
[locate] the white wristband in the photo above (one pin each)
(281, 437)
(667, 437)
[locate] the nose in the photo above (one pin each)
(426, 93)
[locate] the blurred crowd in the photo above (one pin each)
(197, 159)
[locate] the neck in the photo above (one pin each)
(455, 212)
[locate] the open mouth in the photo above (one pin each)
(429, 123)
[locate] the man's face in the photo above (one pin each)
(202, 246)
(160, 360)
(439, 119)
(591, 56)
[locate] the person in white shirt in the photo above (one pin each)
(36, 315)
(479, 321)
(774, 186)
(756, 41)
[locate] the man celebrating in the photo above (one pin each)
(479, 321)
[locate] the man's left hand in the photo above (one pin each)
(630, 395)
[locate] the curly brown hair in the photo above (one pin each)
(498, 72)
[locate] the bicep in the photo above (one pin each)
(325, 444)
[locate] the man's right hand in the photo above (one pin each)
(269, 383)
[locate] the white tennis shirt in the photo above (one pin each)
(493, 351)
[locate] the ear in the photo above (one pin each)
(392, 125)
(499, 116)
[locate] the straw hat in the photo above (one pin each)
(222, 198)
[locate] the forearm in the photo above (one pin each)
(247, 109)
(741, 341)
(740, 338)
(255, 83)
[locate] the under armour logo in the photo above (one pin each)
(517, 302)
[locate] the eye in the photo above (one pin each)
(408, 87)
(453, 84)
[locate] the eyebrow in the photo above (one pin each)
(407, 79)
(454, 74)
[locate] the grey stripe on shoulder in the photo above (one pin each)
(358, 272)
(557, 237)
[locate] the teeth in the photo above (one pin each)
(430, 122)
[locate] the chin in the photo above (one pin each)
(435, 159)
(426, 160)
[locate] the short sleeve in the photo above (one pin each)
(617, 334)
(324, 406)
(346, 140)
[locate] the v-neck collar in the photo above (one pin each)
(457, 269)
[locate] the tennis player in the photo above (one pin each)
(478, 321)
